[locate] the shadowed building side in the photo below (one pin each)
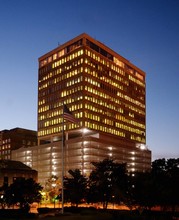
(11, 170)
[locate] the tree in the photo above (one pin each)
(52, 188)
(75, 187)
(24, 192)
(107, 182)
(2, 199)
(158, 187)
(166, 175)
(144, 191)
(172, 169)
(169, 193)
(159, 176)
(152, 188)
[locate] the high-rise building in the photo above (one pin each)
(105, 92)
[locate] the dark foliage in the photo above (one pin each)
(107, 182)
(23, 192)
(75, 187)
(158, 187)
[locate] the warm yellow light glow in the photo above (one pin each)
(133, 164)
(85, 130)
(133, 158)
(142, 147)
(133, 169)
(53, 184)
(84, 170)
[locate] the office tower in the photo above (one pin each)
(106, 93)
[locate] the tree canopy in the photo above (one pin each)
(24, 192)
(107, 182)
(75, 187)
(158, 187)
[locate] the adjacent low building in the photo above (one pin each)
(14, 139)
(11, 170)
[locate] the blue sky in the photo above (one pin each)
(146, 32)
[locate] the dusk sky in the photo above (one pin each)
(146, 32)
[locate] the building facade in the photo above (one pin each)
(15, 138)
(11, 170)
(106, 93)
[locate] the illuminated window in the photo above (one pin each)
(55, 56)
